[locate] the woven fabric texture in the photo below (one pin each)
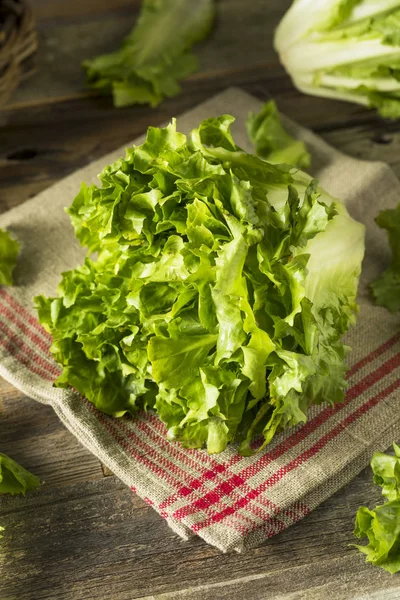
(232, 502)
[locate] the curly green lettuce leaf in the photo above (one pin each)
(156, 55)
(382, 525)
(382, 528)
(14, 479)
(386, 470)
(204, 298)
(346, 49)
(271, 140)
(386, 289)
(9, 249)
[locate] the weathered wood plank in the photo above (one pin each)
(368, 142)
(59, 9)
(39, 146)
(78, 31)
(108, 543)
(33, 435)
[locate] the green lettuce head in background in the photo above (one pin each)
(14, 479)
(220, 291)
(344, 49)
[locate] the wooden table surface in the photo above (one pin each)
(85, 535)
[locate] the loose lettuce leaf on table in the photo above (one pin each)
(386, 469)
(155, 55)
(271, 140)
(207, 299)
(382, 525)
(9, 249)
(14, 479)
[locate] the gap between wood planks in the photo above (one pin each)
(32, 434)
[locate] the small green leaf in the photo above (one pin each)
(382, 525)
(9, 249)
(14, 479)
(272, 142)
(155, 55)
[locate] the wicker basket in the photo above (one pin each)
(18, 42)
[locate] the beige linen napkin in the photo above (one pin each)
(230, 501)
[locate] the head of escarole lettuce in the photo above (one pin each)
(220, 291)
(345, 49)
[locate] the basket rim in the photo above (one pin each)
(20, 44)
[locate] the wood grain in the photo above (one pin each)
(85, 536)
(96, 540)
(32, 435)
(32, 157)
